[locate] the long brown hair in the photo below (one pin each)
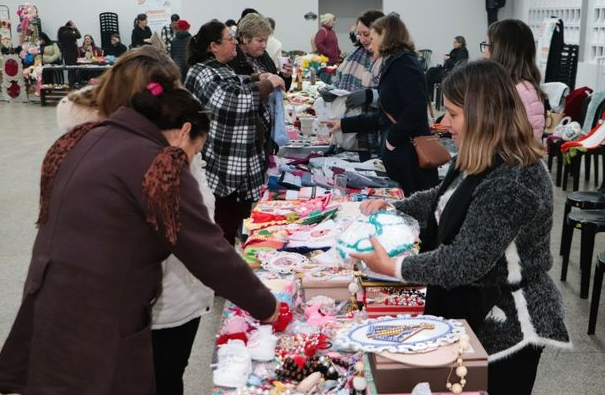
(513, 46)
(396, 36)
(495, 121)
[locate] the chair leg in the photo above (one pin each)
(576, 164)
(596, 296)
(596, 170)
(586, 247)
(587, 167)
(566, 238)
(566, 171)
(565, 228)
(559, 169)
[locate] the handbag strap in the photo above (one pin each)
(389, 116)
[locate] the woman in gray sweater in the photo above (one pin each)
(486, 230)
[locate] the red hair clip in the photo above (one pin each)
(155, 88)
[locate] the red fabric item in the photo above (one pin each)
(574, 103)
(222, 339)
(284, 318)
(260, 217)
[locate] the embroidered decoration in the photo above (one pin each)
(396, 334)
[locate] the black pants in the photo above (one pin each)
(229, 214)
(171, 350)
(515, 374)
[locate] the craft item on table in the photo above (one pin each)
(299, 367)
(363, 179)
(390, 301)
(321, 236)
(250, 253)
(306, 193)
(327, 281)
(289, 180)
(282, 262)
(397, 233)
(385, 193)
(284, 318)
(403, 334)
(234, 365)
(300, 345)
(359, 381)
(315, 316)
(262, 343)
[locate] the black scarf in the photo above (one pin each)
(468, 302)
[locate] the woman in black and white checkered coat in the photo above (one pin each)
(234, 150)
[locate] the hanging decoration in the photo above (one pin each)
(13, 85)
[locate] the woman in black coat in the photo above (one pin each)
(403, 98)
(68, 36)
(141, 33)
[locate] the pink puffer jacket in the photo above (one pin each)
(533, 106)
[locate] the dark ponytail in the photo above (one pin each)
(169, 108)
(199, 45)
(139, 18)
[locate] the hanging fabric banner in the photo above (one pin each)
(158, 13)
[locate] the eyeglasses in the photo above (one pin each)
(228, 38)
(484, 45)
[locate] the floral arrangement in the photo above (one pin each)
(28, 53)
(33, 76)
(313, 61)
(29, 27)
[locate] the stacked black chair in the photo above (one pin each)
(109, 25)
(590, 221)
(596, 293)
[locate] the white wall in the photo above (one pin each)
(433, 24)
(291, 28)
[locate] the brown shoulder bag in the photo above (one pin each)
(429, 149)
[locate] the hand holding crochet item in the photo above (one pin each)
(378, 260)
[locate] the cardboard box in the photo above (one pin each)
(335, 285)
(390, 377)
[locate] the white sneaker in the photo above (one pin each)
(234, 365)
(262, 344)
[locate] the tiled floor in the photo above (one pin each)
(26, 132)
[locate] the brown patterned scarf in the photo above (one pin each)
(161, 189)
(52, 162)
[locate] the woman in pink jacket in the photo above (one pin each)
(511, 43)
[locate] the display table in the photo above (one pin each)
(54, 93)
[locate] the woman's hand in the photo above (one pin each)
(389, 146)
(378, 260)
(286, 70)
(275, 315)
(371, 206)
(333, 125)
(275, 80)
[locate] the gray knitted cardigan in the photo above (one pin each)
(506, 233)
